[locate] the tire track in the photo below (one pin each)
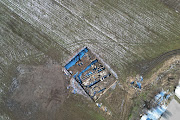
(145, 69)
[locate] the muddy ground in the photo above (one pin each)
(37, 89)
(40, 92)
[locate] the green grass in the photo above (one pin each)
(78, 108)
(177, 99)
(95, 115)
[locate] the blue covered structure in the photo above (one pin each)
(104, 77)
(138, 84)
(95, 82)
(98, 91)
(101, 69)
(155, 113)
(141, 78)
(76, 58)
(89, 66)
(79, 75)
(89, 73)
(84, 68)
(159, 97)
(132, 82)
(101, 90)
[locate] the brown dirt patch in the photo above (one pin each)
(44, 84)
(164, 67)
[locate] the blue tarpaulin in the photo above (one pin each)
(141, 78)
(155, 113)
(98, 91)
(75, 75)
(89, 73)
(99, 105)
(94, 83)
(132, 82)
(167, 97)
(101, 90)
(101, 69)
(159, 97)
(93, 62)
(76, 58)
(138, 84)
(104, 77)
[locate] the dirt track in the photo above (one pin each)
(160, 59)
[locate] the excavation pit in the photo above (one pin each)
(91, 73)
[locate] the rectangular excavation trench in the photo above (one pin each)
(91, 73)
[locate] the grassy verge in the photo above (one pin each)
(177, 99)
